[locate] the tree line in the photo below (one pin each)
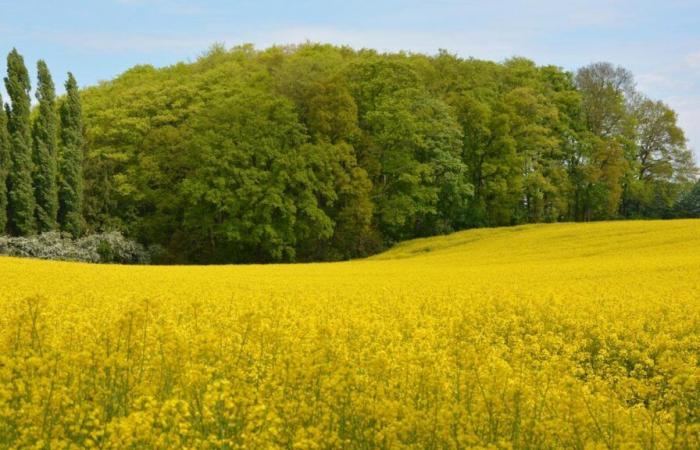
(41, 154)
(319, 152)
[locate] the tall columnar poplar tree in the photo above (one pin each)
(21, 203)
(45, 142)
(71, 161)
(4, 167)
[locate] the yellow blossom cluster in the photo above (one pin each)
(580, 336)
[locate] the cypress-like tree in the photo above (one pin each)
(44, 138)
(71, 161)
(4, 166)
(21, 203)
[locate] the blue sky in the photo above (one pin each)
(658, 40)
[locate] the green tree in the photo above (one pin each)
(44, 138)
(534, 119)
(689, 203)
(606, 147)
(416, 143)
(662, 162)
(5, 149)
(21, 203)
(322, 152)
(315, 79)
(489, 151)
(70, 212)
(411, 148)
(343, 191)
(606, 92)
(568, 127)
(249, 195)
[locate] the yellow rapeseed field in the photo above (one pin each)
(578, 336)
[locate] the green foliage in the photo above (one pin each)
(71, 161)
(316, 152)
(5, 149)
(605, 92)
(661, 165)
(416, 144)
(44, 138)
(689, 203)
(250, 191)
(21, 203)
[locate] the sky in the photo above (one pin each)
(659, 40)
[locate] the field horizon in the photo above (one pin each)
(433, 244)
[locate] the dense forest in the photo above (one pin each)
(317, 152)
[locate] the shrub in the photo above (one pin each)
(110, 247)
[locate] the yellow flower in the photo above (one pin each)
(557, 336)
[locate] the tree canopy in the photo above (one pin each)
(322, 152)
(319, 152)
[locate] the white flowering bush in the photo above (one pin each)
(110, 247)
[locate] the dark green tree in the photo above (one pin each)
(71, 161)
(417, 146)
(250, 195)
(21, 203)
(4, 166)
(689, 204)
(44, 138)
